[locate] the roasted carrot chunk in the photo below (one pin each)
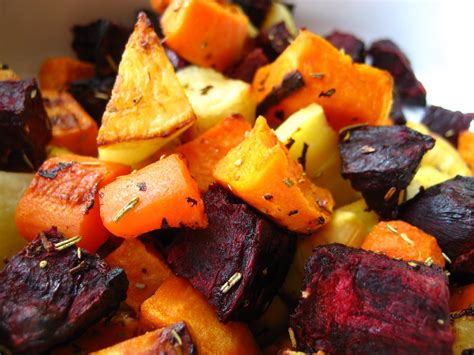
(208, 33)
(57, 73)
(160, 195)
(145, 269)
(73, 128)
(400, 240)
(63, 193)
(260, 171)
(205, 151)
(461, 298)
(466, 148)
(177, 300)
(310, 71)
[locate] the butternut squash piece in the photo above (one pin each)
(148, 107)
(177, 300)
(207, 33)
(349, 93)
(260, 171)
(160, 195)
(204, 152)
(145, 268)
(64, 193)
(466, 148)
(159, 6)
(73, 128)
(461, 298)
(56, 73)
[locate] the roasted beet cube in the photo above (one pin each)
(446, 123)
(462, 269)
(381, 161)
(245, 70)
(446, 211)
(388, 56)
(101, 42)
(24, 125)
(274, 40)
(256, 10)
(396, 113)
(239, 262)
(358, 302)
(93, 95)
(51, 292)
(352, 46)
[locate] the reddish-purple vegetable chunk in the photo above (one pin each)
(256, 10)
(177, 61)
(352, 46)
(396, 113)
(274, 40)
(388, 56)
(25, 129)
(381, 161)
(358, 302)
(49, 295)
(245, 70)
(169, 343)
(239, 262)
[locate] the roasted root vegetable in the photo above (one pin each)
(274, 40)
(57, 73)
(148, 107)
(350, 44)
(311, 70)
(400, 240)
(256, 10)
(159, 6)
(425, 177)
(215, 97)
(160, 195)
(6, 73)
(279, 12)
(72, 127)
(203, 153)
(466, 148)
(205, 33)
(381, 161)
(145, 268)
(245, 69)
(64, 193)
(173, 339)
(176, 300)
(462, 298)
(261, 172)
(462, 324)
(319, 157)
(239, 262)
(51, 292)
(24, 125)
(354, 301)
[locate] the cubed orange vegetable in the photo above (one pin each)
(461, 298)
(64, 193)
(260, 171)
(73, 128)
(350, 93)
(205, 151)
(177, 300)
(466, 148)
(56, 73)
(205, 32)
(145, 268)
(160, 195)
(400, 240)
(159, 5)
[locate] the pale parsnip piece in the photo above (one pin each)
(463, 330)
(215, 97)
(12, 186)
(148, 107)
(278, 13)
(425, 177)
(309, 130)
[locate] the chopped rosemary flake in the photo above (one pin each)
(429, 261)
(450, 133)
(446, 258)
(191, 201)
(290, 143)
(440, 321)
(447, 273)
(234, 279)
(101, 95)
(126, 208)
(367, 149)
(79, 253)
(292, 212)
(206, 89)
(137, 99)
(392, 229)
(238, 162)
(317, 75)
(389, 194)
(177, 337)
(67, 243)
(140, 285)
(43, 264)
(288, 182)
(33, 93)
(28, 161)
(406, 239)
(328, 93)
(294, 345)
(413, 264)
(268, 196)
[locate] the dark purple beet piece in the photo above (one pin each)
(352, 46)
(49, 296)
(396, 113)
(93, 95)
(239, 262)
(446, 211)
(381, 161)
(245, 70)
(446, 123)
(24, 125)
(358, 302)
(274, 40)
(388, 56)
(175, 59)
(462, 270)
(256, 10)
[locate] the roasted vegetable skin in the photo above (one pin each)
(355, 301)
(50, 295)
(462, 324)
(240, 242)
(350, 44)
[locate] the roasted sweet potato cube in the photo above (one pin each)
(145, 268)
(176, 300)
(56, 73)
(260, 172)
(350, 44)
(24, 125)
(148, 107)
(52, 292)
(461, 298)
(173, 339)
(466, 148)
(354, 301)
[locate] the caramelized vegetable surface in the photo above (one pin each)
(57, 73)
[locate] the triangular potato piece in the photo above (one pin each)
(148, 106)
